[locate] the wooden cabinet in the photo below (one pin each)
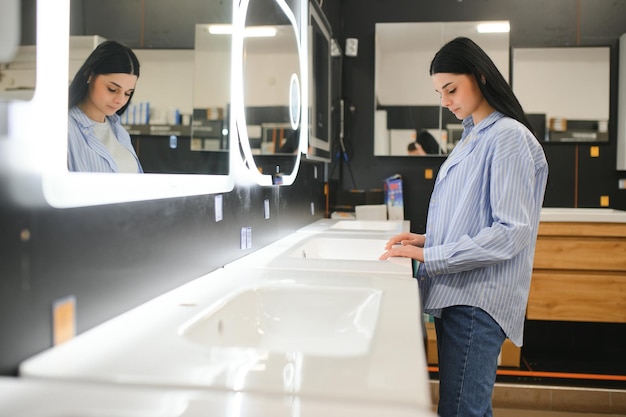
(579, 273)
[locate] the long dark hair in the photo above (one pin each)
(109, 57)
(463, 56)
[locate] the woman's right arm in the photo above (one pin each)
(406, 238)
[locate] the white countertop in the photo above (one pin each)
(146, 346)
(359, 253)
(593, 215)
(388, 227)
(23, 397)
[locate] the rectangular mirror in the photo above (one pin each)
(407, 107)
(565, 90)
(36, 153)
(17, 51)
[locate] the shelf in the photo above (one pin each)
(159, 130)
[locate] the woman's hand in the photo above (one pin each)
(406, 238)
(406, 245)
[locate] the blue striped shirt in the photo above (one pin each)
(482, 223)
(85, 152)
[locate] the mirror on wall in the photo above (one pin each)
(407, 108)
(565, 91)
(320, 62)
(268, 87)
(17, 51)
(35, 154)
(211, 95)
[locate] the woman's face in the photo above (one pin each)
(107, 94)
(460, 94)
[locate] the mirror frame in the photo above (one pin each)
(36, 160)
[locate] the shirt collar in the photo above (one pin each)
(84, 121)
(468, 122)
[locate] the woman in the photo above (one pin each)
(477, 254)
(100, 92)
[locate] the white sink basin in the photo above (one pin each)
(387, 228)
(310, 320)
(336, 335)
(340, 249)
(349, 252)
(366, 226)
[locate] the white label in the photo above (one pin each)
(266, 206)
(244, 238)
(219, 208)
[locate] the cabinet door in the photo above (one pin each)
(561, 188)
(596, 178)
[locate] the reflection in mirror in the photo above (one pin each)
(565, 91)
(17, 51)
(211, 95)
(408, 109)
(36, 153)
(268, 107)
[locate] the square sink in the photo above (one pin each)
(320, 321)
(340, 249)
(387, 228)
(317, 333)
(366, 225)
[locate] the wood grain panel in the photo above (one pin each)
(582, 253)
(577, 229)
(577, 296)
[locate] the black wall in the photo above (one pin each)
(115, 257)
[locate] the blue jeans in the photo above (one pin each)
(468, 344)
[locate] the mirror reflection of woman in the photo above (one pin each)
(99, 93)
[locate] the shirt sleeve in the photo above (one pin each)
(508, 207)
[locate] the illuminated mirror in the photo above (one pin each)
(36, 153)
(268, 87)
(565, 91)
(211, 96)
(407, 107)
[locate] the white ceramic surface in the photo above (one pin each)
(325, 321)
(388, 228)
(353, 252)
(148, 346)
(21, 397)
(339, 248)
(594, 215)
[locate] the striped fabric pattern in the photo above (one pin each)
(482, 223)
(85, 152)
